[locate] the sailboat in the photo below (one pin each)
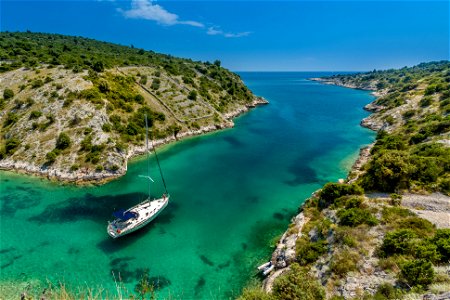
(143, 213)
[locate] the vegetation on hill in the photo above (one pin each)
(97, 95)
(412, 148)
(353, 240)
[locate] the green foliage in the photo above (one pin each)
(426, 101)
(442, 241)
(331, 191)
(356, 216)
(63, 141)
(398, 242)
(297, 284)
(417, 272)
(8, 94)
(192, 95)
(11, 118)
(386, 291)
(389, 171)
(11, 146)
(428, 251)
(344, 262)
(35, 114)
(37, 83)
(255, 293)
(51, 157)
(309, 252)
(392, 214)
(420, 226)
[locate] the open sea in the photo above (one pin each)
(233, 193)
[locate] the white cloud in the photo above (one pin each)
(147, 10)
(216, 31)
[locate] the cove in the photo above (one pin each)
(232, 193)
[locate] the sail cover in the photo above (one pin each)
(124, 215)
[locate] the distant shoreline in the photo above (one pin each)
(81, 177)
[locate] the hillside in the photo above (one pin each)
(385, 233)
(73, 108)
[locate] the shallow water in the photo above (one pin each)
(232, 192)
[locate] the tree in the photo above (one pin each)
(217, 63)
(63, 141)
(8, 94)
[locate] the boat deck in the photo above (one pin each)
(145, 212)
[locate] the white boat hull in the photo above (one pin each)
(146, 211)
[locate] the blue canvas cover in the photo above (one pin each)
(124, 215)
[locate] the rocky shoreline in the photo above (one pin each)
(284, 254)
(82, 176)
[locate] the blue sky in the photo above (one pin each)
(253, 35)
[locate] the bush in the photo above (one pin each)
(254, 293)
(63, 141)
(417, 272)
(427, 250)
(297, 284)
(420, 226)
(192, 95)
(331, 191)
(11, 146)
(398, 242)
(442, 241)
(386, 291)
(344, 262)
(8, 94)
(35, 114)
(426, 101)
(389, 171)
(356, 216)
(51, 157)
(309, 252)
(11, 118)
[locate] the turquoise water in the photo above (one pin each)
(232, 192)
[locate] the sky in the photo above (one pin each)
(253, 35)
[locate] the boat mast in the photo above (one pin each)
(148, 160)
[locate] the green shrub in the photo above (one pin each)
(8, 94)
(51, 157)
(389, 171)
(386, 291)
(442, 241)
(297, 284)
(426, 101)
(344, 262)
(192, 95)
(427, 250)
(11, 146)
(74, 167)
(35, 114)
(37, 83)
(417, 272)
(420, 226)
(255, 293)
(63, 141)
(392, 214)
(356, 216)
(408, 114)
(309, 252)
(398, 242)
(11, 118)
(331, 191)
